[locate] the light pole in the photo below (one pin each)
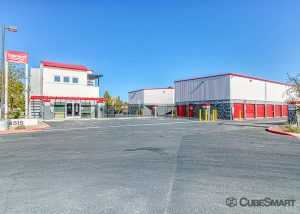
(4, 95)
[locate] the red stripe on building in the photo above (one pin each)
(48, 98)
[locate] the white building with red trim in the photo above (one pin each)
(234, 96)
(59, 90)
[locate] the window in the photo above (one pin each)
(75, 80)
(66, 79)
(56, 78)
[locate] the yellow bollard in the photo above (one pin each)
(213, 115)
(206, 115)
(200, 115)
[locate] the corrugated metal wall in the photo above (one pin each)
(136, 97)
(229, 87)
(202, 89)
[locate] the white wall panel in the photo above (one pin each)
(242, 88)
(35, 82)
(202, 89)
(247, 89)
(80, 89)
(152, 96)
(276, 92)
(159, 96)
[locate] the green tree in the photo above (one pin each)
(16, 98)
(118, 104)
(108, 98)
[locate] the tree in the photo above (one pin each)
(114, 105)
(293, 96)
(16, 98)
(118, 104)
(108, 98)
(294, 91)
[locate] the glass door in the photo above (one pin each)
(69, 109)
(76, 109)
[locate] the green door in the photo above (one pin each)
(59, 110)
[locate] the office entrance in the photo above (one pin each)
(72, 110)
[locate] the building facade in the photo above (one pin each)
(59, 91)
(234, 96)
(151, 102)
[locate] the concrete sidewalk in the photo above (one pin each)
(39, 127)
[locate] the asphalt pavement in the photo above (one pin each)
(148, 166)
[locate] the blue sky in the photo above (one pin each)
(140, 44)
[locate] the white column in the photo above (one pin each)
(26, 91)
(5, 89)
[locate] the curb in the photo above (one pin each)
(280, 132)
(30, 130)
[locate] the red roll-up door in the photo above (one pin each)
(250, 110)
(238, 111)
(270, 110)
(277, 110)
(285, 110)
(260, 110)
(191, 110)
(180, 111)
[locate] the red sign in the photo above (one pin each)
(17, 57)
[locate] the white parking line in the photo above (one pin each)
(118, 126)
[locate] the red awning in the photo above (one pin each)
(48, 98)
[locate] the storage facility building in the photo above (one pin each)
(60, 90)
(147, 102)
(234, 96)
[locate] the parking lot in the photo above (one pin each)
(147, 166)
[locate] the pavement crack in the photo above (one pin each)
(150, 149)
